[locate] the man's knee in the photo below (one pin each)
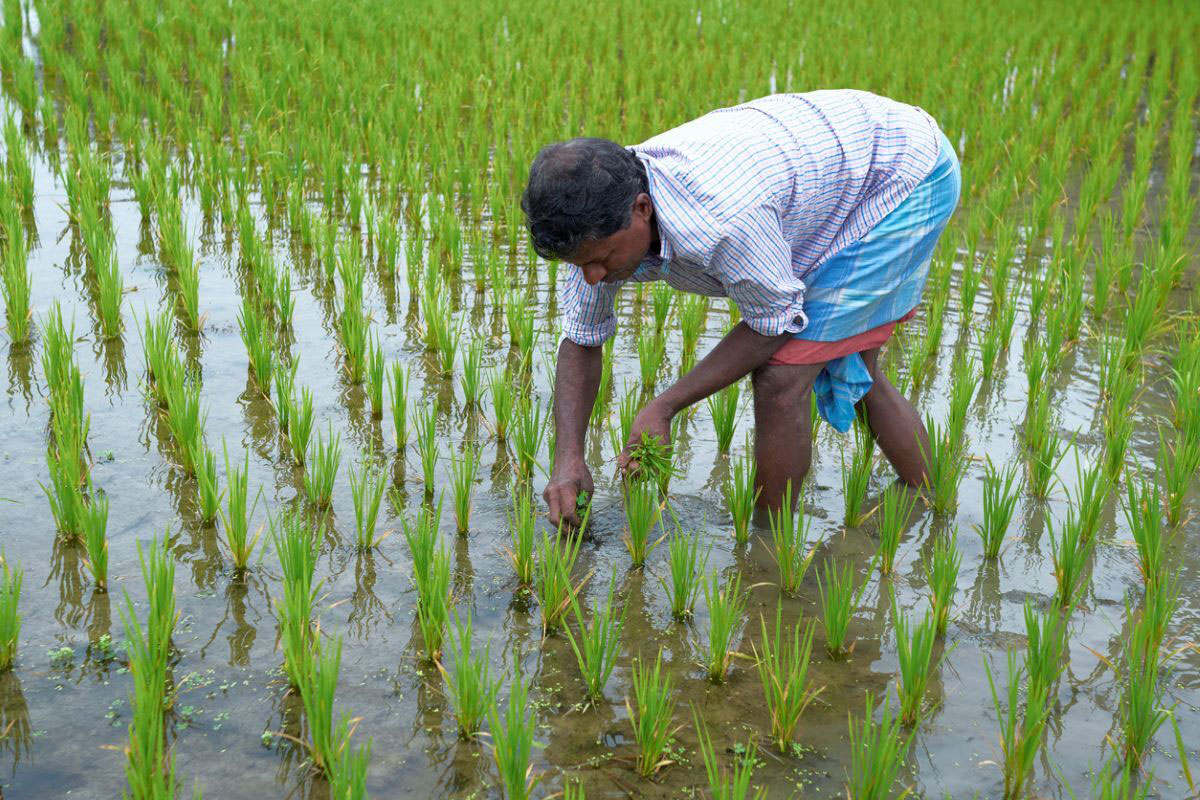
(782, 385)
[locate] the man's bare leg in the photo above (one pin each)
(782, 429)
(895, 423)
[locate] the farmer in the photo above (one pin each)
(815, 213)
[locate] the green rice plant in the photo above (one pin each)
(260, 344)
(839, 599)
(425, 427)
(187, 274)
(296, 544)
(433, 602)
(941, 575)
(693, 311)
(503, 399)
(94, 521)
(1000, 493)
(877, 754)
(783, 671)
(661, 295)
(347, 775)
(789, 535)
(725, 784)
(991, 345)
(110, 291)
(741, 494)
(652, 349)
(520, 315)
(528, 434)
(643, 511)
(317, 689)
(463, 470)
(723, 406)
(185, 421)
(235, 517)
(11, 577)
(1021, 735)
(285, 303)
(1042, 444)
(17, 283)
(208, 490)
(398, 388)
(598, 643)
(66, 502)
(1070, 552)
(472, 373)
(354, 332)
(895, 508)
(552, 582)
(651, 462)
(1143, 512)
(375, 377)
(522, 524)
(947, 466)
(471, 688)
(1178, 465)
(322, 469)
(1118, 431)
(284, 378)
(686, 560)
(1141, 713)
(1045, 635)
(512, 742)
(367, 486)
(725, 606)
(914, 651)
(651, 712)
(964, 381)
(857, 478)
(1093, 486)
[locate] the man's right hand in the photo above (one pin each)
(562, 492)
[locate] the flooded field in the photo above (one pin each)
(1116, 394)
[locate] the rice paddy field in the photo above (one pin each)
(277, 416)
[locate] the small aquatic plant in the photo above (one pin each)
(322, 468)
(235, 518)
(643, 510)
(11, 577)
(471, 688)
(783, 672)
(652, 350)
(789, 535)
(599, 641)
(728, 784)
(651, 712)
(725, 606)
(296, 545)
(895, 508)
(1042, 443)
(740, 496)
(1143, 511)
(723, 406)
(964, 381)
(1178, 464)
(552, 582)
(877, 753)
(528, 434)
(260, 344)
(839, 598)
(685, 559)
(17, 283)
(941, 574)
(367, 486)
(472, 373)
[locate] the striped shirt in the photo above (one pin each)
(750, 199)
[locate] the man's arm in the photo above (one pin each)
(576, 381)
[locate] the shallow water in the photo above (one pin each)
(69, 712)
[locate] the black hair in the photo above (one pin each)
(578, 190)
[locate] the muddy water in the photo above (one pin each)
(65, 707)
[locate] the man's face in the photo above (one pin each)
(616, 257)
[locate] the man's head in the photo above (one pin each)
(588, 203)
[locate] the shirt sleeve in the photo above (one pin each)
(753, 262)
(589, 318)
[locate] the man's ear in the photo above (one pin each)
(643, 206)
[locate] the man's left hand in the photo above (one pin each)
(654, 420)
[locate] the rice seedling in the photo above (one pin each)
(723, 406)
(1071, 551)
(1045, 635)
(643, 511)
(1178, 465)
(208, 491)
(877, 754)
(317, 689)
(1143, 512)
(686, 560)
(512, 742)
(552, 582)
(1021, 735)
(398, 388)
(375, 377)
(947, 466)
(260, 345)
(433, 601)
(895, 508)
(235, 517)
(472, 373)
(652, 349)
(503, 399)
(651, 462)
(347, 776)
(66, 503)
(1042, 444)
(783, 671)
(661, 295)
(17, 283)
(914, 650)
(463, 470)
(425, 427)
(94, 521)
(839, 599)
(741, 494)
(789, 536)
(521, 524)
(598, 643)
(520, 314)
(726, 784)
(941, 574)
(1000, 493)
(296, 545)
(725, 606)
(367, 486)
(322, 468)
(11, 577)
(1118, 431)
(964, 382)
(528, 434)
(471, 688)
(856, 479)
(185, 421)
(693, 311)
(651, 713)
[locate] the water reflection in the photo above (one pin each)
(16, 732)
(67, 568)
